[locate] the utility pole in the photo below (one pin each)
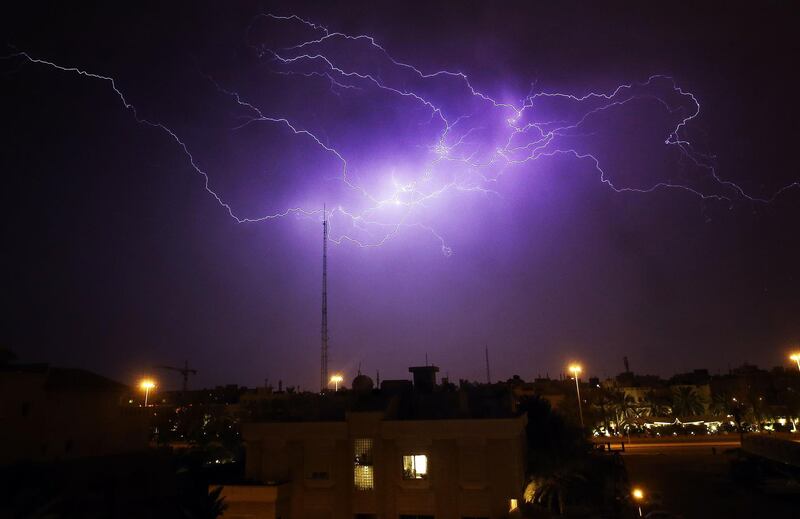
(488, 375)
(323, 383)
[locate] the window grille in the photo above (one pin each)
(363, 468)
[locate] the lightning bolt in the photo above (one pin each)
(478, 138)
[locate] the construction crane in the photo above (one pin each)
(185, 371)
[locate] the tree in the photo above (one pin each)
(623, 406)
(553, 490)
(657, 403)
(211, 507)
(687, 402)
(552, 441)
(558, 456)
(721, 404)
(600, 400)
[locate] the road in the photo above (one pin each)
(691, 479)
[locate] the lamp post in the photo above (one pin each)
(796, 357)
(575, 369)
(638, 497)
(336, 379)
(146, 384)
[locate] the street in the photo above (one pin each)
(691, 479)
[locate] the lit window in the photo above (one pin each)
(415, 466)
(363, 469)
(512, 504)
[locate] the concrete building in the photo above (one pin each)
(395, 454)
(51, 414)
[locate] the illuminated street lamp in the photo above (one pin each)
(575, 369)
(336, 379)
(146, 384)
(796, 357)
(638, 497)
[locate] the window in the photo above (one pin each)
(363, 469)
(415, 466)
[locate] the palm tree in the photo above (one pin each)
(721, 404)
(656, 403)
(601, 400)
(687, 402)
(553, 491)
(211, 507)
(623, 405)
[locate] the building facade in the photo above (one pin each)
(52, 414)
(372, 466)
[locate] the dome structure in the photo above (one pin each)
(362, 383)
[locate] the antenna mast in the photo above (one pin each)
(323, 383)
(488, 376)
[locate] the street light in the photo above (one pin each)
(336, 379)
(575, 369)
(796, 357)
(638, 496)
(146, 384)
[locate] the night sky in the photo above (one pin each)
(117, 259)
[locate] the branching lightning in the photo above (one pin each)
(478, 138)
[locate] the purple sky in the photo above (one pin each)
(119, 259)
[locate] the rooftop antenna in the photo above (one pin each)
(627, 366)
(488, 375)
(426, 358)
(323, 375)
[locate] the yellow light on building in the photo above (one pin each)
(513, 504)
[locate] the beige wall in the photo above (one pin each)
(255, 502)
(41, 425)
(474, 466)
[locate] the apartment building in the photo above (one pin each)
(414, 457)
